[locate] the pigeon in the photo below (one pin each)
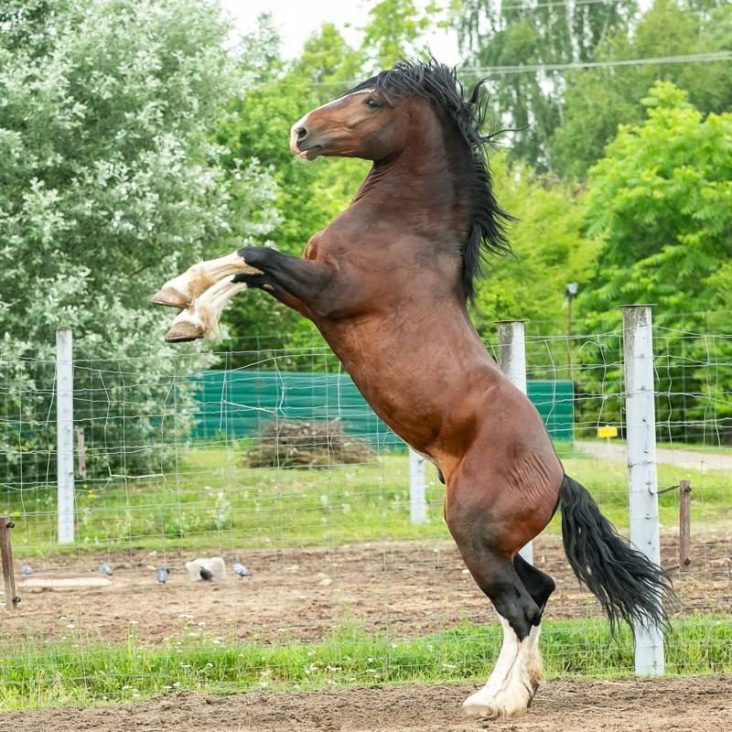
(206, 574)
(163, 574)
(240, 569)
(104, 569)
(25, 569)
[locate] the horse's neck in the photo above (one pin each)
(409, 182)
(417, 186)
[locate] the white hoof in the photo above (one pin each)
(182, 290)
(507, 703)
(514, 681)
(202, 317)
(189, 327)
(171, 297)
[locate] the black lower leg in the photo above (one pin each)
(538, 584)
(266, 283)
(498, 579)
(306, 280)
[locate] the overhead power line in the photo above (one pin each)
(555, 4)
(650, 61)
(488, 71)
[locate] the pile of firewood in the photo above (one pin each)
(289, 443)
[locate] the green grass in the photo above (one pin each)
(214, 501)
(37, 675)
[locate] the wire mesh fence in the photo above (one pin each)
(342, 587)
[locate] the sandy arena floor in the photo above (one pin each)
(407, 588)
(701, 704)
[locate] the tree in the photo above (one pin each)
(661, 202)
(549, 251)
(395, 30)
(327, 61)
(518, 34)
(109, 184)
(598, 100)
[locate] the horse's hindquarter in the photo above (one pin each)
(427, 375)
(508, 482)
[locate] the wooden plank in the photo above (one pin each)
(6, 551)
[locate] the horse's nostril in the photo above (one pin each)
(301, 133)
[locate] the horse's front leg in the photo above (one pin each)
(201, 318)
(181, 291)
(306, 282)
(295, 282)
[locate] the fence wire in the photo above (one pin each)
(341, 586)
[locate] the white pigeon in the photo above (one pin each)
(240, 569)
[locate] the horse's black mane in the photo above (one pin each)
(439, 84)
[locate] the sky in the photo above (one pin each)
(297, 19)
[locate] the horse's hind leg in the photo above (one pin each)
(540, 586)
(519, 593)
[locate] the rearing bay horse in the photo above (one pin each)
(388, 283)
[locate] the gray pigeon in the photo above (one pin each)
(104, 569)
(206, 574)
(163, 574)
(25, 569)
(240, 569)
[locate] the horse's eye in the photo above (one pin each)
(371, 103)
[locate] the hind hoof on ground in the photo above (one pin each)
(171, 297)
(496, 709)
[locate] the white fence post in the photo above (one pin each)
(512, 361)
(417, 496)
(640, 416)
(65, 434)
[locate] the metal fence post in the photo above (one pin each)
(417, 498)
(65, 434)
(640, 413)
(512, 361)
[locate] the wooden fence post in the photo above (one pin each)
(684, 525)
(6, 551)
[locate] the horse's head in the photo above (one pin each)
(364, 123)
(420, 108)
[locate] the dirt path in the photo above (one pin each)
(689, 459)
(701, 704)
(407, 588)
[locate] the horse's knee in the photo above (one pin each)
(497, 578)
(518, 608)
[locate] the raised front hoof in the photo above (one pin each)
(184, 331)
(171, 298)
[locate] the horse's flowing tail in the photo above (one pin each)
(628, 585)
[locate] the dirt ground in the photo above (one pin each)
(701, 704)
(407, 588)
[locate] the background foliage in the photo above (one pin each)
(110, 181)
(132, 143)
